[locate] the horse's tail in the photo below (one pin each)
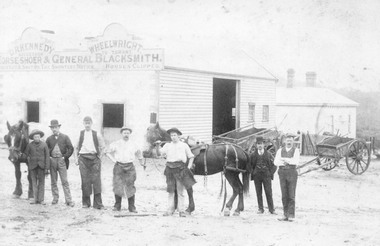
(246, 180)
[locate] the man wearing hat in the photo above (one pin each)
(123, 152)
(178, 174)
(60, 149)
(89, 150)
(287, 158)
(263, 170)
(37, 153)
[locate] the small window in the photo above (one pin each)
(251, 112)
(266, 113)
(113, 115)
(32, 111)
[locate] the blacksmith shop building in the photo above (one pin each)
(120, 79)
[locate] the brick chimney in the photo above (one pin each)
(311, 79)
(290, 81)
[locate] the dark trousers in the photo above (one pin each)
(90, 171)
(131, 202)
(38, 181)
(288, 182)
(97, 203)
(261, 181)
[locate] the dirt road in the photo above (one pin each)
(333, 208)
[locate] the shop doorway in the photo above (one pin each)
(113, 120)
(225, 113)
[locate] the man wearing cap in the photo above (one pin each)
(178, 175)
(287, 158)
(60, 149)
(123, 152)
(37, 153)
(263, 170)
(89, 150)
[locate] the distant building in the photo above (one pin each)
(313, 109)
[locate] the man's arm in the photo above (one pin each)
(102, 145)
(190, 156)
(69, 148)
(295, 160)
(109, 152)
(277, 160)
(47, 159)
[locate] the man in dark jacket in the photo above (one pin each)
(263, 170)
(37, 153)
(60, 149)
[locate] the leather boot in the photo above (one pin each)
(131, 204)
(117, 206)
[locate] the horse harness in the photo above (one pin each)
(18, 149)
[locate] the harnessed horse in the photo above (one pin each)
(227, 158)
(17, 140)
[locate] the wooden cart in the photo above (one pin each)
(245, 137)
(331, 150)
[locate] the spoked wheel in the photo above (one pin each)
(332, 163)
(358, 157)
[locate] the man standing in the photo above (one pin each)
(122, 152)
(287, 158)
(263, 170)
(37, 153)
(60, 149)
(89, 149)
(178, 175)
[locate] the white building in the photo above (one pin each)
(120, 79)
(314, 109)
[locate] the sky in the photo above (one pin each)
(336, 39)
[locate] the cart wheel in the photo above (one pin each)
(357, 157)
(333, 163)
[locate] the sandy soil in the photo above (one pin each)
(333, 208)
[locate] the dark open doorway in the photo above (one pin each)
(113, 120)
(224, 106)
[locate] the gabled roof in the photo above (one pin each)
(311, 96)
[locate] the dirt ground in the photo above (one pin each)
(333, 208)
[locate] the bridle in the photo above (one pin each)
(17, 149)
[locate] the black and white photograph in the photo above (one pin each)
(189, 122)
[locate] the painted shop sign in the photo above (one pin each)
(32, 52)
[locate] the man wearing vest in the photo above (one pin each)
(263, 170)
(123, 152)
(287, 158)
(89, 150)
(60, 149)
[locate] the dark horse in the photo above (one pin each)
(17, 140)
(222, 157)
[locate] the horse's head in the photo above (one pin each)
(17, 140)
(153, 134)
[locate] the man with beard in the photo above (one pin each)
(123, 152)
(287, 158)
(60, 149)
(263, 170)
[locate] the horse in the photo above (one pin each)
(211, 159)
(17, 139)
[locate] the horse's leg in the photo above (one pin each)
(230, 176)
(191, 207)
(30, 189)
(18, 189)
(175, 199)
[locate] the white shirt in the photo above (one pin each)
(88, 145)
(124, 151)
(280, 161)
(177, 152)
